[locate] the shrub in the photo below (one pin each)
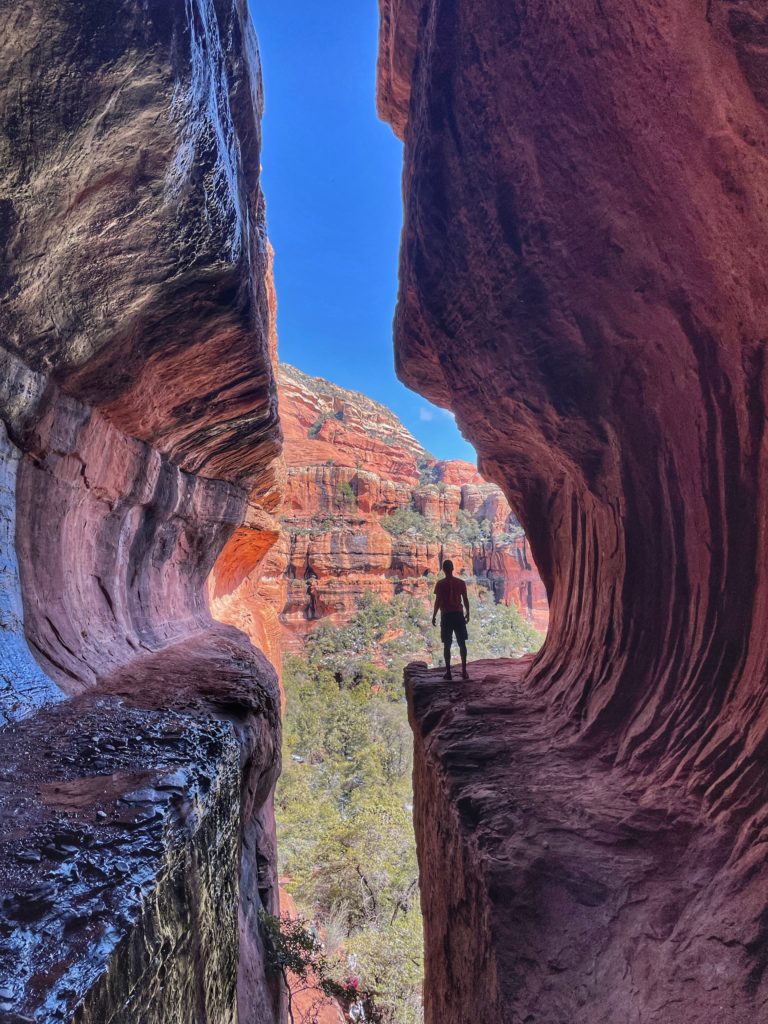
(468, 529)
(345, 494)
(294, 951)
(344, 801)
(511, 533)
(408, 520)
(428, 472)
(317, 426)
(299, 528)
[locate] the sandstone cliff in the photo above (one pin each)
(139, 410)
(583, 283)
(368, 509)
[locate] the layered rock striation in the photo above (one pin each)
(367, 509)
(139, 404)
(582, 283)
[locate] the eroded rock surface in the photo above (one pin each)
(121, 883)
(582, 282)
(140, 406)
(551, 892)
(24, 686)
(132, 210)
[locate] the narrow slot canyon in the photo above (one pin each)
(217, 568)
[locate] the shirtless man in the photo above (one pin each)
(449, 595)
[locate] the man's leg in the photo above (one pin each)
(463, 653)
(447, 657)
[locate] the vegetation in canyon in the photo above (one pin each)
(344, 802)
(466, 530)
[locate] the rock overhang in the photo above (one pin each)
(140, 400)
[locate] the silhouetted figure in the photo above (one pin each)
(450, 593)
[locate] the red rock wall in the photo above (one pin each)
(350, 464)
(582, 283)
(140, 399)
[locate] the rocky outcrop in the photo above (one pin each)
(122, 877)
(582, 283)
(351, 464)
(555, 893)
(139, 404)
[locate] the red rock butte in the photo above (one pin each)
(583, 282)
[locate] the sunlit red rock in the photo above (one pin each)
(457, 473)
(235, 589)
(350, 463)
(582, 282)
(438, 505)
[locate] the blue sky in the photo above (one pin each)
(331, 174)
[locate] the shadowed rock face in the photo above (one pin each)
(139, 402)
(132, 215)
(582, 282)
(25, 686)
(122, 877)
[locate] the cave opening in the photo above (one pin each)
(166, 541)
(580, 224)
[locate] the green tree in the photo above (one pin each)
(345, 494)
(344, 801)
(408, 521)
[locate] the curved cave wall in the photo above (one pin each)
(582, 281)
(139, 404)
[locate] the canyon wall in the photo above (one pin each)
(350, 465)
(140, 437)
(582, 281)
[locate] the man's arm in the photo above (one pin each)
(465, 599)
(436, 609)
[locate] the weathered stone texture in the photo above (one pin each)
(111, 529)
(135, 248)
(138, 394)
(121, 883)
(24, 686)
(551, 892)
(582, 282)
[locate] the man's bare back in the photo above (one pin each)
(450, 595)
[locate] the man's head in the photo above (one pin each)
(448, 567)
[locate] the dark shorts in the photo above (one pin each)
(450, 623)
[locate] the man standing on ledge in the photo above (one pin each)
(449, 595)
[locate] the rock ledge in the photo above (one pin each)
(555, 888)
